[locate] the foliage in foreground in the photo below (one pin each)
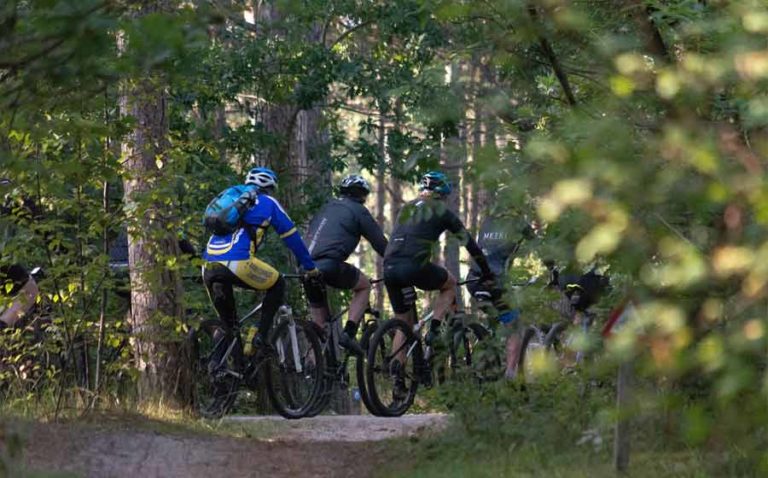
(564, 427)
(636, 134)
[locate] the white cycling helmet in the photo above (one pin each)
(355, 185)
(262, 177)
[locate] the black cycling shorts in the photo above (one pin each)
(14, 274)
(337, 274)
(400, 278)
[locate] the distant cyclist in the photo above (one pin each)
(500, 238)
(18, 289)
(407, 261)
(231, 259)
(333, 236)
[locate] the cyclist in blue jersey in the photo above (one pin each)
(231, 258)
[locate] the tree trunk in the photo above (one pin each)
(156, 291)
(486, 136)
(298, 151)
(380, 203)
(453, 157)
(477, 143)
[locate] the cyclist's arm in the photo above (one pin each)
(457, 227)
(372, 232)
(477, 254)
(285, 227)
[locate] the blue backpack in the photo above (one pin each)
(223, 214)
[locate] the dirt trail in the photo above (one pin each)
(329, 446)
(346, 428)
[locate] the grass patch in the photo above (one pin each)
(560, 428)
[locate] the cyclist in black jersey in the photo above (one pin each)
(333, 236)
(416, 232)
(500, 239)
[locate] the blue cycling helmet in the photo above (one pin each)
(436, 181)
(262, 177)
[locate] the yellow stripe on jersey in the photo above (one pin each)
(220, 249)
(284, 235)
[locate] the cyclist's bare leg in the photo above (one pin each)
(397, 342)
(21, 304)
(360, 298)
(513, 353)
(319, 315)
(445, 299)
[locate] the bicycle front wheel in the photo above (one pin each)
(474, 354)
(368, 332)
(395, 363)
(214, 394)
(295, 370)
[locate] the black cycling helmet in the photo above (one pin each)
(355, 186)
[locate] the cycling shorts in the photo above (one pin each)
(495, 295)
(400, 278)
(337, 274)
(253, 272)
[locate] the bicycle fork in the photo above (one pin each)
(286, 313)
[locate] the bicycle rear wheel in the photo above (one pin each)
(295, 370)
(392, 373)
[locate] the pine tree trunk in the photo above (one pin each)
(485, 134)
(299, 149)
(453, 157)
(380, 203)
(477, 143)
(156, 292)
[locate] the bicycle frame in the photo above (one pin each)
(284, 313)
(331, 344)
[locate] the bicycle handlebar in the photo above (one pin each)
(469, 281)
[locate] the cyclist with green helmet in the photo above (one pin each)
(407, 260)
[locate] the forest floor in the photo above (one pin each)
(326, 446)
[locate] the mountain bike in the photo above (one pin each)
(552, 338)
(291, 364)
(400, 359)
(337, 363)
(337, 359)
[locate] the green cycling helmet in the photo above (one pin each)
(436, 181)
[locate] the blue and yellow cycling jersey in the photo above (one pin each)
(242, 245)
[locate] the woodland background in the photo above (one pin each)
(634, 131)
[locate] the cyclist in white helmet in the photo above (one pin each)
(231, 258)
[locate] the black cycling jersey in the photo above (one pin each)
(335, 231)
(418, 228)
(498, 239)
